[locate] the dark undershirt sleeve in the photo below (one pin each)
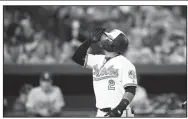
(131, 89)
(127, 98)
(80, 54)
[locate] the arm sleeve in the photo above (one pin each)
(131, 89)
(130, 92)
(129, 77)
(80, 54)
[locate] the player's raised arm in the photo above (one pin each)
(80, 54)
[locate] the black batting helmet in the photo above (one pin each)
(117, 41)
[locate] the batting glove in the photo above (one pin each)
(96, 36)
(118, 111)
(114, 113)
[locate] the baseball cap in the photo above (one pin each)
(46, 76)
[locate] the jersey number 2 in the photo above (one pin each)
(111, 85)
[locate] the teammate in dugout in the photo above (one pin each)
(114, 76)
(45, 100)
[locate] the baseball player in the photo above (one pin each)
(114, 77)
(45, 100)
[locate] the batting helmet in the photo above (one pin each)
(117, 41)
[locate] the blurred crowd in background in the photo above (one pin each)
(50, 34)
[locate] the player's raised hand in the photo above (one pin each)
(96, 35)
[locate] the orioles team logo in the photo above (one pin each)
(106, 72)
(132, 74)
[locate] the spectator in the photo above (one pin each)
(141, 102)
(7, 55)
(45, 100)
(150, 28)
(19, 104)
(5, 105)
(66, 52)
(12, 51)
(41, 56)
(27, 26)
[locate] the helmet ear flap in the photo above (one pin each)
(120, 44)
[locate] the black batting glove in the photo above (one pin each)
(96, 35)
(114, 113)
(118, 111)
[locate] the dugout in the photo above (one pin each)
(76, 82)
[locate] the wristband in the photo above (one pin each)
(123, 104)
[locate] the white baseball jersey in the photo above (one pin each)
(38, 99)
(110, 78)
